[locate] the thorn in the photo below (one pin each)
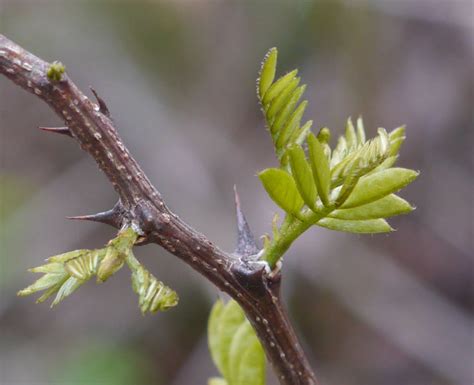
(102, 106)
(113, 217)
(57, 130)
(246, 244)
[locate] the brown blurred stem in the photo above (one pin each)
(253, 287)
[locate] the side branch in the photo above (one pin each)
(142, 206)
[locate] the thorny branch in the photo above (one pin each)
(140, 204)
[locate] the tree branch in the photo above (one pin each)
(244, 278)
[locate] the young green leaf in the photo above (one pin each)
(230, 320)
(375, 186)
(351, 137)
(397, 137)
(85, 267)
(291, 125)
(282, 189)
(234, 346)
(360, 131)
(303, 176)
(388, 206)
(369, 226)
(281, 100)
(286, 112)
(213, 334)
(43, 283)
(246, 358)
(153, 295)
(300, 135)
(278, 86)
(67, 288)
(339, 152)
(320, 167)
(217, 381)
(252, 365)
(267, 72)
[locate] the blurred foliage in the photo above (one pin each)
(158, 39)
(13, 192)
(104, 364)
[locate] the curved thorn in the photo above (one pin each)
(246, 244)
(102, 106)
(57, 130)
(113, 217)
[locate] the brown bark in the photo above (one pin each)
(255, 288)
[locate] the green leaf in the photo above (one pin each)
(339, 152)
(213, 335)
(267, 72)
(351, 137)
(388, 206)
(84, 267)
(303, 176)
(291, 125)
(349, 184)
(67, 288)
(52, 267)
(281, 100)
(300, 136)
(112, 262)
(362, 160)
(246, 358)
(360, 131)
(282, 189)
(230, 320)
(252, 365)
(284, 114)
(363, 227)
(375, 186)
(234, 346)
(320, 166)
(396, 137)
(43, 283)
(217, 381)
(153, 295)
(278, 86)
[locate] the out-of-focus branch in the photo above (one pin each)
(251, 284)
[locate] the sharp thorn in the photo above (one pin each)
(246, 244)
(113, 217)
(102, 106)
(57, 130)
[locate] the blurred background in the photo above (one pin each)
(179, 79)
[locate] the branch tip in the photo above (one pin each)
(55, 71)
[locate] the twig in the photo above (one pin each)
(251, 284)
